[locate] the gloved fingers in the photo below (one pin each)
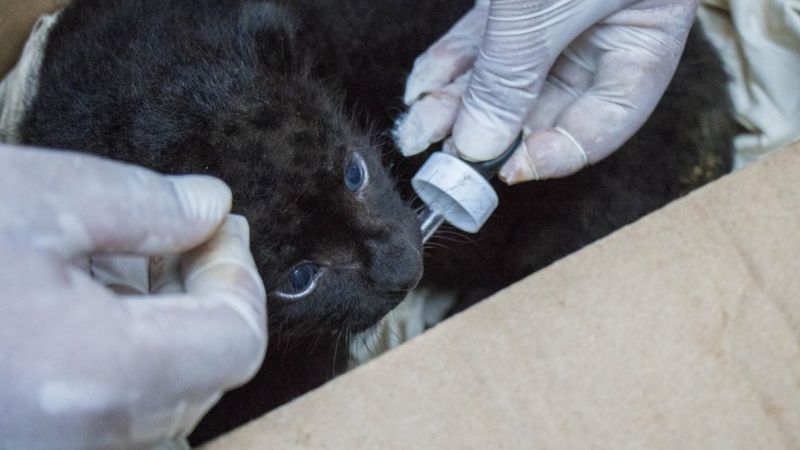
(212, 338)
(548, 153)
(85, 205)
(493, 109)
(123, 274)
(215, 334)
(138, 275)
(225, 264)
(521, 42)
(430, 119)
(568, 80)
(142, 368)
(600, 121)
(449, 57)
(165, 275)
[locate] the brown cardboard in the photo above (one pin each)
(680, 331)
(16, 19)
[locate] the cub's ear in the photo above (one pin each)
(273, 31)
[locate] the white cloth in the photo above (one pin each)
(759, 40)
(18, 88)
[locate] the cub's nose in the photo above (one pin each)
(409, 271)
(406, 280)
(402, 265)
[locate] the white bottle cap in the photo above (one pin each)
(455, 190)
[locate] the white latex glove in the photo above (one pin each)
(609, 62)
(82, 367)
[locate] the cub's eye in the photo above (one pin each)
(302, 280)
(355, 173)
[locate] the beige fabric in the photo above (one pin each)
(16, 19)
(18, 88)
(760, 43)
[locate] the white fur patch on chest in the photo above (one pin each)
(420, 310)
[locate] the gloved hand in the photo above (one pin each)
(83, 367)
(609, 63)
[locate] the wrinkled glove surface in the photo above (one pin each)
(84, 367)
(578, 77)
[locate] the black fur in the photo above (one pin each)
(223, 88)
(273, 97)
